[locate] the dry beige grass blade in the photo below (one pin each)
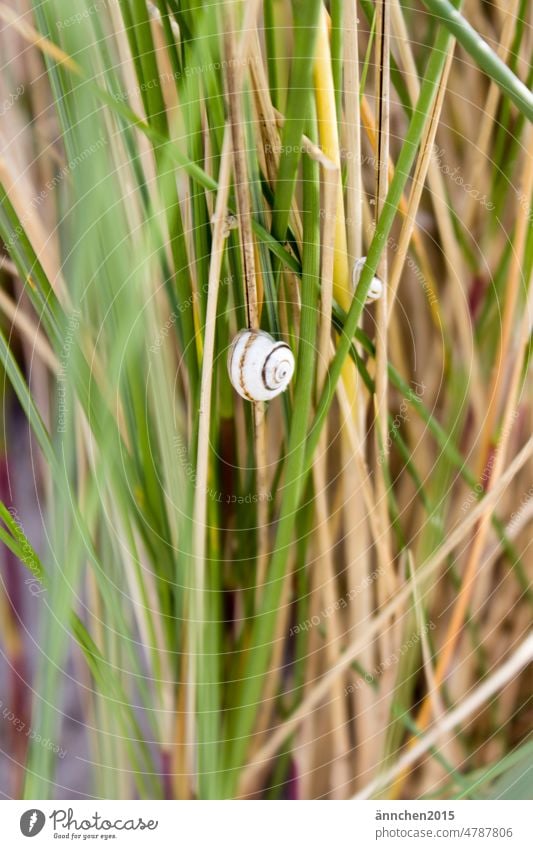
(219, 236)
(329, 189)
(19, 188)
(329, 143)
(26, 326)
(421, 623)
(30, 34)
(147, 613)
(323, 577)
(342, 286)
(352, 135)
(504, 621)
(41, 241)
(127, 70)
(355, 446)
(495, 602)
(156, 15)
(481, 532)
(267, 711)
(497, 388)
(183, 739)
(360, 582)
(269, 146)
(361, 513)
(250, 785)
(380, 621)
(346, 241)
(242, 189)
(220, 233)
(450, 251)
(310, 148)
(357, 512)
(234, 78)
(325, 587)
(368, 124)
(269, 120)
(200, 493)
(38, 240)
(305, 754)
(454, 718)
(477, 168)
(382, 120)
(419, 181)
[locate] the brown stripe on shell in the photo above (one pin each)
(263, 371)
(251, 339)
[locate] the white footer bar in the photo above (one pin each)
(267, 825)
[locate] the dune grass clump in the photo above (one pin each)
(319, 593)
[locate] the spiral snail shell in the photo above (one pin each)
(259, 367)
(376, 287)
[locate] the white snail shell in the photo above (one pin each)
(376, 287)
(259, 367)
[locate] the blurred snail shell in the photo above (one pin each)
(376, 287)
(259, 367)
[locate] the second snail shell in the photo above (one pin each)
(259, 366)
(376, 287)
